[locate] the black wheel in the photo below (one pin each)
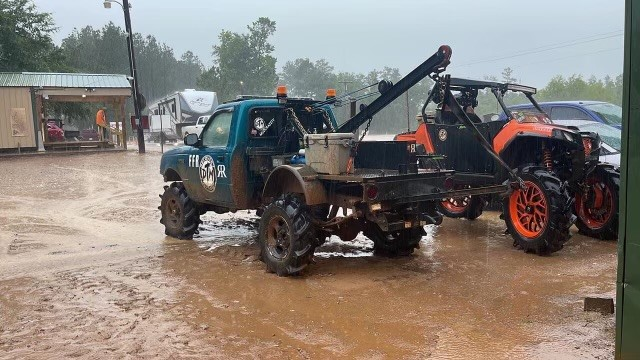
(597, 208)
(286, 236)
(539, 216)
(395, 243)
(180, 215)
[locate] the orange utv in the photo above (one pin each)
(554, 171)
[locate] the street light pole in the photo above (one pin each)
(134, 72)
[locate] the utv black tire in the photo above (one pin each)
(539, 216)
(395, 243)
(600, 221)
(286, 236)
(179, 214)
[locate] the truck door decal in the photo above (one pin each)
(208, 173)
(194, 160)
(222, 171)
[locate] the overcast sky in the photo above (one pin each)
(538, 39)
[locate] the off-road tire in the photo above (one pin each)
(286, 236)
(476, 206)
(470, 207)
(607, 229)
(455, 207)
(555, 203)
(396, 243)
(179, 214)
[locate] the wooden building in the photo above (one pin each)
(23, 95)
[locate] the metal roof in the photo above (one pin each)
(64, 80)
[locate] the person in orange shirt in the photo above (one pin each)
(101, 121)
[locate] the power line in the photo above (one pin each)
(569, 57)
(549, 47)
(617, 32)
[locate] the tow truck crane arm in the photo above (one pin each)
(435, 64)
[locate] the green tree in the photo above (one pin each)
(105, 51)
(576, 88)
(308, 79)
(25, 38)
(243, 62)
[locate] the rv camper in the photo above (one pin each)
(172, 112)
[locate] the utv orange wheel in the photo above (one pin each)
(597, 207)
(456, 205)
(528, 210)
(602, 206)
(538, 216)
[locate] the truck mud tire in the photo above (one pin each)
(539, 216)
(395, 243)
(286, 236)
(468, 207)
(180, 216)
(597, 210)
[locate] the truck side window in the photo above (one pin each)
(265, 122)
(567, 113)
(217, 133)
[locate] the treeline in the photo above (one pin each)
(243, 63)
(104, 51)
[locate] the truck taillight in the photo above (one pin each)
(586, 142)
(372, 192)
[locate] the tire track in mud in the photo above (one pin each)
(124, 310)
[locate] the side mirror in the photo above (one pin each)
(191, 139)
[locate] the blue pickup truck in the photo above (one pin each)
(248, 156)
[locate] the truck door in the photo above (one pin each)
(209, 163)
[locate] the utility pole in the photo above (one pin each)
(352, 104)
(134, 75)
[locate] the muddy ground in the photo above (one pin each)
(86, 272)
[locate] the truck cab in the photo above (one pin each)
(226, 166)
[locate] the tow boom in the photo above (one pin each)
(436, 63)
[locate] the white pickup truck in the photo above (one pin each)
(197, 128)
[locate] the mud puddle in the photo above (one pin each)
(86, 272)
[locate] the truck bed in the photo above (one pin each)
(426, 185)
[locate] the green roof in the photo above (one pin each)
(63, 80)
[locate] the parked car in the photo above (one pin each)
(597, 111)
(611, 138)
(195, 128)
(54, 132)
(89, 135)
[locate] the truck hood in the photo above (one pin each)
(170, 158)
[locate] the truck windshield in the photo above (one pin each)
(217, 133)
(609, 113)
